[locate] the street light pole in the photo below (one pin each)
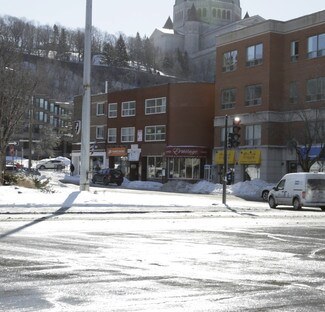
(86, 101)
(225, 162)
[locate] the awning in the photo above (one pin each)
(186, 151)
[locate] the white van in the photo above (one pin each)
(303, 189)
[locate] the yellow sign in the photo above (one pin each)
(250, 157)
(220, 157)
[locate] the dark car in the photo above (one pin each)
(107, 176)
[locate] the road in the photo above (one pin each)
(247, 259)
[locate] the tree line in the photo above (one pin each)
(63, 44)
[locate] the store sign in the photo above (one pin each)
(186, 151)
(116, 151)
(231, 157)
(250, 157)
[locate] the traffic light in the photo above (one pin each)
(230, 140)
(236, 132)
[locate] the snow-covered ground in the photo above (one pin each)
(63, 191)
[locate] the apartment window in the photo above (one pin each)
(155, 106)
(112, 110)
(315, 89)
(254, 55)
(222, 139)
(128, 109)
(155, 133)
(293, 92)
(253, 95)
(294, 53)
(111, 135)
(127, 134)
(253, 134)
(316, 46)
(41, 103)
(100, 132)
(228, 98)
(229, 62)
(100, 109)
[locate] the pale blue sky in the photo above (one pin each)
(130, 16)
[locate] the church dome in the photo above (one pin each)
(215, 13)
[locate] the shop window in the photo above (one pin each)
(128, 109)
(155, 167)
(112, 110)
(184, 168)
(254, 55)
(155, 106)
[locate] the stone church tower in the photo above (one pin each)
(194, 31)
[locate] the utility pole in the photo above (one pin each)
(86, 102)
(225, 162)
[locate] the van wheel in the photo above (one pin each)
(272, 203)
(296, 204)
(323, 208)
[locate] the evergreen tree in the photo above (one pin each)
(108, 57)
(122, 57)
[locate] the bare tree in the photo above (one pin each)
(16, 90)
(310, 134)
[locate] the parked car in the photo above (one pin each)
(303, 189)
(107, 176)
(51, 164)
(265, 193)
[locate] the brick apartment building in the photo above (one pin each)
(272, 76)
(153, 133)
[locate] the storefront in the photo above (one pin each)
(185, 162)
(242, 165)
(250, 161)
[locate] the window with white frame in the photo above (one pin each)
(155, 133)
(111, 135)
(155, 106)
(253, 95)
(100, 132)
(100, 109)
(228, 98)
(315, 89)
(229, 61)
(316, 46)
(222, 138)
(127, 134)
(128, 109)
(254, 55)
(253, 135)
(112, 110)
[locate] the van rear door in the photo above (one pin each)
(315, 190)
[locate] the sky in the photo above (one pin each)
(143, 16)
